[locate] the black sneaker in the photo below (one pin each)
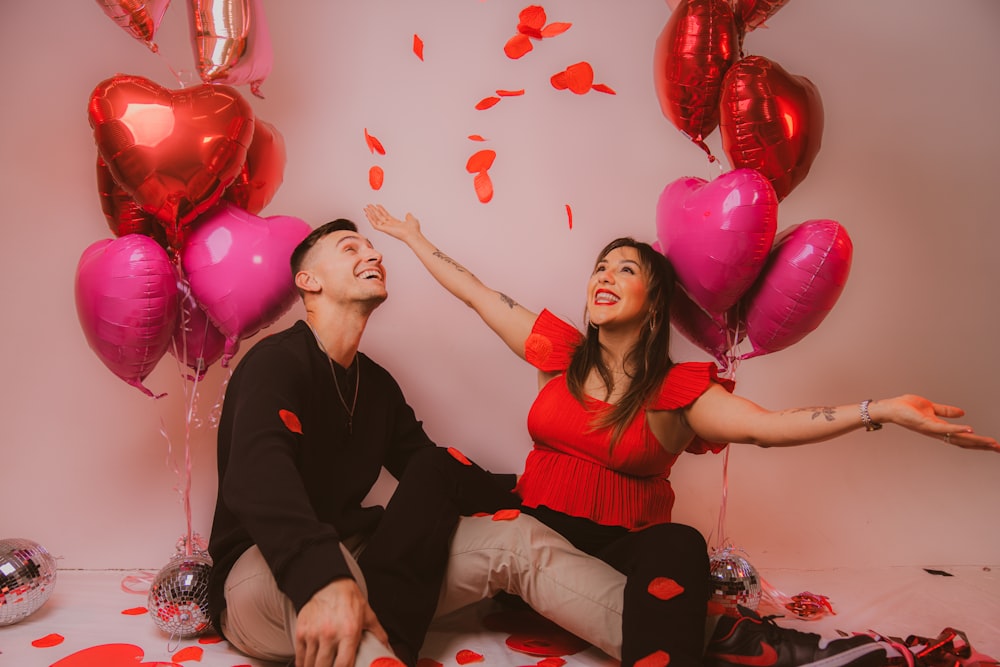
(751, 641)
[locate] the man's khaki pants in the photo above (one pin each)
(522, 557)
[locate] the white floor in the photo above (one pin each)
(83, 619)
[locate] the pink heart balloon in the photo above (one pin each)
(126, 300)
(717, 234)
(716, 335)
(799, 285)
(196, 342)
(237, 266)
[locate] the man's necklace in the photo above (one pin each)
(333, 371)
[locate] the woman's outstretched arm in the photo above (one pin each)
(508, 319)
(719, 416)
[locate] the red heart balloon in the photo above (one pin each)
(751, 14)
(696, 48)
(771, 121)
(123, 214)
(174, 152)
(263, 171)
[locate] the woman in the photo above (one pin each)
(612, 415)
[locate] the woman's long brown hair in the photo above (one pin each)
(648, 362)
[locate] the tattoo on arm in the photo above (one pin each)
(507, 300)
(826, 412)
(448, 260)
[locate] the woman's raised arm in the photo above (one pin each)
(719, 416)
(508, 319)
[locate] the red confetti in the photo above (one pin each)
(550, 662)
(482, 514)
(476, 137)
(386, 662)
(374, 145)
(559, 81)
(487, 102)
(459, 456)
(531, 20)
(654, 659)
(580, 77)
(465, 656)
(210, 639)
(418, 46)
(48, 641)
(510, 93)
(544, 642)
(664, 588)
(428, 662)
(603, 88)
(480, 161)
(506, 515)
(569, 214)
(193, 653)
(553, 29)
(291, 420)
(484, 187)
(375, 177)
(517, 46)
(136, 611)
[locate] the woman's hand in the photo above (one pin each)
(404, 230)
(928, 418)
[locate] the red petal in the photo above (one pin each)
(517, 46)
(374, 145)
(529, 31)
(476, 137)
(654, 659)
(569, 214)
(510, 93)
(580, 77)
(466, 656)
(603, 88)
(48, 641)
(664, 588)
(484, 187)
(532, 16)
(480, 161)
(291, 421)
(487, 102)
(418, 46)
(559, 80)
(550, 662)
(427, 662)
(190, 653)
(210, 639)
(459, 456)
(506, 515)
(386, 662)
(482, 514)
(135, 611)
(376, 177)
(553, 29)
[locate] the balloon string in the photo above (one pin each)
(138, 583)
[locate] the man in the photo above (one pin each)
(307, 425)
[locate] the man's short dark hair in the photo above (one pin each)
(303, 248)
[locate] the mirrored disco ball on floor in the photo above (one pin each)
(27, 577)
(178, 598)
(734, 581)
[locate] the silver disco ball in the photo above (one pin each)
(734, 581)
(178, 598)
(27, 577)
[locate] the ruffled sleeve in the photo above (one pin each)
(686, 382)
(550, 345)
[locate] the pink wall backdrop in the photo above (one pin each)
(908, 166)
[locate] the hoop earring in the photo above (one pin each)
(652, 321)
(590, 325)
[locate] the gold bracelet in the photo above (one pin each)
(866, 418)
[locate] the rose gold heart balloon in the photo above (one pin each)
(770, 121)
(139, 18)
(263, 171)
(693, 53)
(174, 152)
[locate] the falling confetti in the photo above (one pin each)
(48, 641)
(484, 186)
(664, 588)
(193, 653)
(374, 145)
(531, 25)
(135, 611)
(291, 420)
(579, 78)
(459, 456)
(510, 93)
(375, 177)
(480, 161)
(477, 137)
(569, 215)
(487, 102)
(418, 47)
(465, 656)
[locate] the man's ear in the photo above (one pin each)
(306, 281)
